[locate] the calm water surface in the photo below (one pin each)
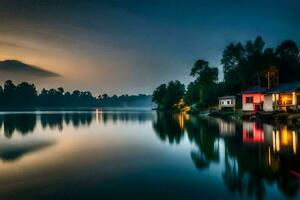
(142, 155)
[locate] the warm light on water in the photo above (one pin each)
(142, 155)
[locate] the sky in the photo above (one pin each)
(131, 46)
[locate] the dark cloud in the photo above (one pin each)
(10, 69)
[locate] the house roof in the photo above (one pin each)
(285, 87)
(255, 89)
(227, 97)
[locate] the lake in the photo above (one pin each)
(138, 154)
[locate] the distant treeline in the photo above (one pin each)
(244, 65)
(26, 95)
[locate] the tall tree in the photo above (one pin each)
(166, 96)
(288, 61)
(202, 90)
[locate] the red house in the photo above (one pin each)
(253, 98)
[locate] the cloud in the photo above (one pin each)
(9, 44)
(14, 69)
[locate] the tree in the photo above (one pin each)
(166, 96)
(199, 66)
(175, 92)
(26, 91)
(247, 65)
(192, 93)
(159, 94)
(288, 61)
(9, 93)
(202, 91)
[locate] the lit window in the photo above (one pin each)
(249, 99)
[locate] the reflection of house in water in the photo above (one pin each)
(253, 132)
(285, 141)
(226, 128)
(282, 140)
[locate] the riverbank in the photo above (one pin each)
(263, 116)
(231, 114)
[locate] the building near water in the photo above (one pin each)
(282, 97)
(227, 102)
(253, 98)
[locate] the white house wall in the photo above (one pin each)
(248, 107)
(268, 103)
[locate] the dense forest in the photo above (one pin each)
(26, 95)
(244, 65)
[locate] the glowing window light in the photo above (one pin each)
(286, 137)
(294, 142)
(269, 156)
(273, 97)
(274, 140)
(294, 98)
(277, 141)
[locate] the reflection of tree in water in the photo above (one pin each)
(253, 170)
(204, 135)
(23, 123)
(248, 169)
(167, 127)
(52, 121)
(80, 119)
(56, 120)
(140, 117)
(286, 182)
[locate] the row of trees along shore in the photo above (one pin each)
(244, 65)
(26, 95)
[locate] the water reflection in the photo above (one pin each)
(24, 123)
(57, 120)
(13, 152)
(119, 116)
(250, 158)
(169, 127)
(254, 154)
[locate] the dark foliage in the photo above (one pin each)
(25, 95)
(166, 96)
(244, 66)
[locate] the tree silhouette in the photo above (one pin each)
(25, 95)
